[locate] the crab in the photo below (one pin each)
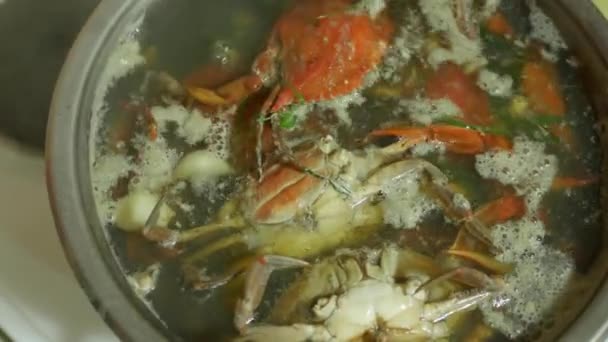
(322, 49)
(329, 199)
(318, 50)
(387, 294)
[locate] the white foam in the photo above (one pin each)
(515, 238)
(489, 8)
(527, 168)
(156, 167)
(522, 304)
(301, 111)
(163, 116)
(124, 59)
(425, 111)
(340, 105)
(407, 42)
(219, 139)
(544, 30)
(405, 204)
(192, 126)
(105, 173)
(495, 84)
(371, 7)
(440, 17)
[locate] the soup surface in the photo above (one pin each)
(338, 170)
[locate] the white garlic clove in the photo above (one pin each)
(200, 166)
(133, 211)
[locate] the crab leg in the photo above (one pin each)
(293, 333)
(195, 233)
(456, 139)
(464, 275)
(394, 172)
(263, 72)
(255, 286)
(501, 210)
(259, 147)
(237, 90)
(562, 183)
(483, 260)
(437, 312)
(202, 282)
(216, 246)
(472, 224)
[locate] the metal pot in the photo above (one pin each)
(68, 152)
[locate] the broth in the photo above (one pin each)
(551, 167)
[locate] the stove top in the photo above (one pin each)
(36, 36)
(40, 299)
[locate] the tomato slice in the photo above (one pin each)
(451, 82)
(541, 86)
(498, 24)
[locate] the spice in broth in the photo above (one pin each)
(356, 170)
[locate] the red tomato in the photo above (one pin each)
(451, 82)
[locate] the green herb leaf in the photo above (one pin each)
(287, 120)
(497, 129)
(545, 120)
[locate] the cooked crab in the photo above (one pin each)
(319, 49)
(330, 199)
(386, 294)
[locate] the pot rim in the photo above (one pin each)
(64, 169)
(591, 323)
(95, 270)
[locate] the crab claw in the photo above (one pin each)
(255, 286)
(501, 210)
(477, 225)
(456, 139)
(283, 99)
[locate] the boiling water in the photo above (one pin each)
(180, 35)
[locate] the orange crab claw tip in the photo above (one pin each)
(410, 133)
(502, 210)
(562, 183)
(283, 99)
(497, 142)
(499, 24)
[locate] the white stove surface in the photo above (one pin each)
(40, 299)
